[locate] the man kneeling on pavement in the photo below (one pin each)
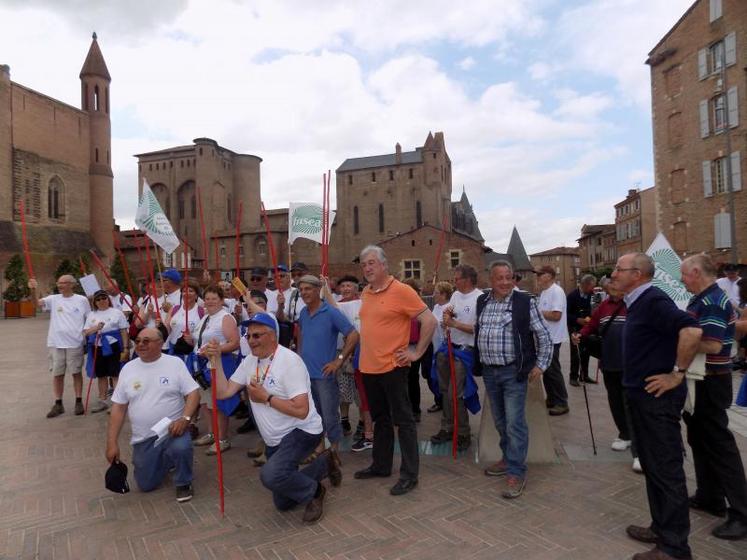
(153, 387)
(280, 393)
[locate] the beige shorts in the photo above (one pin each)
(65, 360)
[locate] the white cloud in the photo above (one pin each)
(467, 63)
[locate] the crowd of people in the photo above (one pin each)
(292, 361)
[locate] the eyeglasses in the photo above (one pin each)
(146, 340)
(296, 274)
(256, 335)
(256, 278)
(618, 269)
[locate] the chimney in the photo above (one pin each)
(632, 192)
(5, 72)
(397, 153)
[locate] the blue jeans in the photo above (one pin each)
(280, 475)
(507, 402)
(153, 462)
(326, 396)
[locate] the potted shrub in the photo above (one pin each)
(17, 293)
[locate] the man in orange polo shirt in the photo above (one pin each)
(387, 308)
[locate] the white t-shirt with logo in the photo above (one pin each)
(152, 391)
(121, 301)
(272, 301)
(554, 299)
(352, 310)
(438, 332)
(731, 289)
(285, 376)
(112, 318)
(465, 311)
(67, 319)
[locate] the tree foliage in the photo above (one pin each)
(17, 280)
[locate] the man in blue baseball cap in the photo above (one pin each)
(172, 295)
(280, 395)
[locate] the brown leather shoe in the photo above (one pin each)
(315, 508)
(334, 471)
(655, 554)
(642, 534)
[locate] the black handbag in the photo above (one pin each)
(182, 347)
(593, 343)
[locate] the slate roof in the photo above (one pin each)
(94, 64)
(386, 160)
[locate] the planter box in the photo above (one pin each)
(19, 309)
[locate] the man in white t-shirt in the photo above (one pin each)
(460, 316)
(280, 395)
(152, 389)
(552, 305)
(171, 279)
(68, 312)
(729, 284)
(258, 281)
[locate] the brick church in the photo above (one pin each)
(57, 159)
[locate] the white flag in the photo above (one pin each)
(668, 276)
(151, 219)
(305, 220)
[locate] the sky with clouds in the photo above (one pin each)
(544, 104)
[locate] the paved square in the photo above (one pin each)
(53, 504)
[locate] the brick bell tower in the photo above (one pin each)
(94, 83)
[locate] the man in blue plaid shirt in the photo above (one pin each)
(512, 348)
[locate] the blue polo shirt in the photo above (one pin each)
(319, 336)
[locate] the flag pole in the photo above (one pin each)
(238, 234)
(271, 245)
(153, 281)
(26, 252)
(205, 248)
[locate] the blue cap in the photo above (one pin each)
(265, 319)
(281, 268)
(172, 274)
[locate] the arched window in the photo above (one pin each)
(260, 246)
(381, 218)
(356, 224)
(84, 96)
(55, 199)
(186, 195)
(418, 214)
(193, 206)
(96, 101)
(97, 155)
(106, 100)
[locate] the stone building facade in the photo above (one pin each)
(635, 221)
(565, 261)
(596, 245)
(57, 159)
(699, 93)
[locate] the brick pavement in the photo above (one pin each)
(53, 504)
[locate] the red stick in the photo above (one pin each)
(202, 232)
(186, 287)
(217, 258)
(93, 370)
(154, 295)
(26, 252)
(216, 435)
(439, 250)
(143, 270)
(238, 231)
(82, 266)
(101, 266)
(123, 261)
(271, 245)
(452, 371)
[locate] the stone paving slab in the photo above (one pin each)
(53, 504)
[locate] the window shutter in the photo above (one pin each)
(707, 189)
(717, 241)
(732, 100)
(715, 11)
(736, 172)
(702, 63)
(730, 46)
(704, 126)
(722, 230)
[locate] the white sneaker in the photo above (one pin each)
(205, 439)
(637, 466)
(100, 406)
(620, 444)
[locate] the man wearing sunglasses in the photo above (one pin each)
(280, 393)
(153, 387)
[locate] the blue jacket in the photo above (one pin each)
(471, 397)
(106, 348)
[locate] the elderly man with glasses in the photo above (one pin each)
(155, 388)
(68, 312)
(659, 343)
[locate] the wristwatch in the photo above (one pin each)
(187, 418)
(341, 357)
(681, 370)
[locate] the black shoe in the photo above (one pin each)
(434, 408)
(441, 437)
(403, 486)
(589, 380)
(733, 530)
(370, 472)
(642, 534)
(558, 410)
(463, 443)
(246, 427)
(347, 429)
(575, 383)
(713, 509)
(315, 508)
(184, 493)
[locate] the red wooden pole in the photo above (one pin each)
(205, 247)
(153, 282)
(93, 371)
(186, 287)
(238, 233)
(216, 435)
(123, 261)
(439, 250)
(26, 252)
(271, 245)
(82, 266)
(217, 259)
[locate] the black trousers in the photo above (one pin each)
(413, 384)
(552, 378)
(579, 361)
(390, 406)
(619, 406)
(718, 466)
(426, 365)
(656, 424)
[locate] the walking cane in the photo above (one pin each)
(452, 371)
(586, 398)
(93, 371)
(216, 435)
